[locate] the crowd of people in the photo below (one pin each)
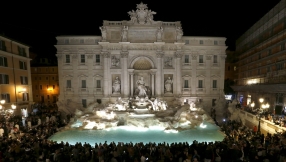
(278, 119)
(31, 144)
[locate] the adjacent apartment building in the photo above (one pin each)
(15, 76)
(262, 62)
(45, 84)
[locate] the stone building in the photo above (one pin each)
(262, 61)
(15, 76)
(45, 82)
(140, 58)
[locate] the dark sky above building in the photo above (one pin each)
(37, 23)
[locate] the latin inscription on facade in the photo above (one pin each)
(142, 35)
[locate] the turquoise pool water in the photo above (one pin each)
(121, 134)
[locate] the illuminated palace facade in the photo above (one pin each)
(90, 66)
(262, 61)
(15, 76)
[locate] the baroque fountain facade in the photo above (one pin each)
(140, 72)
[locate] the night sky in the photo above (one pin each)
(37, 24)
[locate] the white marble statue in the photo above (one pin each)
(103, 32)
(159, 33)
(116, 85)
(133, 16)
(179, 32)
(150, 16)
(124, 33)
(115, 61)
(168, 62)
(141, 87)
(168, 84)
(1, 132)
(155, 105)
(142, 15)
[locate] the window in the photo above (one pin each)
(186, 84)
(187, 42)
(186, 58)
(81, 41)
(201, 59)
(214, 83)
(36, 87)
(4, 79)
(41, 87)
(25, 97)
(268, 68)
(67, 41)
(82, 58)
(83, 101)
(97, 58)
(2, 45)
(215, 59)
(68, 83)
(54, 86)
(259, 56)
(37, 96)
(53, 78)
(48, 97)
(6, 97)
(234, 68)
(42, 99)
(47, 78)
(83, 83)
(23, 65)
(3, 61)
(35, 78)
(40, 78)
(98, 84)
(47, 86)
(24, 80)
(200, 84)
(279, 66)
(68, 60)
(201, 42)
(228, 68)
(215, 42)
(22, 51)
(258, 71)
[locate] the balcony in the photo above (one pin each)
(200, 90)
(83, 91)
(186, 90)
(97, 91)
(69, 91)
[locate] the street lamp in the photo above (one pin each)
(252, 105)
(2, 107)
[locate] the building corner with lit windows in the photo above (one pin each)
(15, 77)
(262, 62)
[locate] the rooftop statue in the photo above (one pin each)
(142, 15)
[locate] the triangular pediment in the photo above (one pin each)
(82, 76)
(215, 76)
(200, 76)
(97, 76)
(68, 76)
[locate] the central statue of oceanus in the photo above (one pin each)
(142, 15)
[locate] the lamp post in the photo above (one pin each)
(259, 113)
(252, 106)
(2, 102)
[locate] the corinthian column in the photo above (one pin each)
(124, 74)
(159, 74)
(106, 72)
(178, 70)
